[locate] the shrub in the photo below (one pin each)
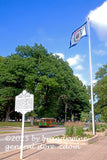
(102, 129)
(79, 131)
(97, 130)
(98, 127)
(69, 130)
(90, 127)
(74, 129)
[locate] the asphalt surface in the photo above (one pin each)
(12, 141)
(94, 151)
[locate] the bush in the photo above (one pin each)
(69, 130)
(79, 131)
(74, 129)
(105, 126)
(90, 127)
(98, 127)
(102, 129)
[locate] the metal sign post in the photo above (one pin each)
(22, 137)
(24, 103)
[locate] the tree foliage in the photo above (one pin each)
(57, 92)
(100, 90)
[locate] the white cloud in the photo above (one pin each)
(79, 67)
(98, 18)
(99, 15)
(61, 55)
(74, 60)
(81, 78)
(100, 52)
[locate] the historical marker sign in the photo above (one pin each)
(24, 102)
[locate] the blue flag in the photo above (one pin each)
(78, 34)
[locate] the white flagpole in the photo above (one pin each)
(91, 84)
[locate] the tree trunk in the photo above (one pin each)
(32, 119)
(65, 112)
(7, 113)
(18, 117)
(15, 117)
(71, 115)
(74, 117)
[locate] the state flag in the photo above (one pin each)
(78, 34)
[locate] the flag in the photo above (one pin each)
(78, 34)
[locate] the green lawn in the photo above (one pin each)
(14, 124)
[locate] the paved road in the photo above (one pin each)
(94, 151)
(12, 141)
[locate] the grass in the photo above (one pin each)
(32, 129)
(77, 123)
(5, 132)
(74, 129)
(14, 124)
(28, 130)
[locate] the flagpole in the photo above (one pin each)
(91, 84)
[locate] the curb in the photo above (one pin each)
(70, 141)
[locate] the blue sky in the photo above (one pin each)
(51, 23)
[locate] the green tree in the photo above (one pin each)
(15, 72)
(57, 92)
(100, 90)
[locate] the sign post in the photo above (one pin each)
(22, 137)
(24, 102)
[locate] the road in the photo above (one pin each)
(12, 141)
